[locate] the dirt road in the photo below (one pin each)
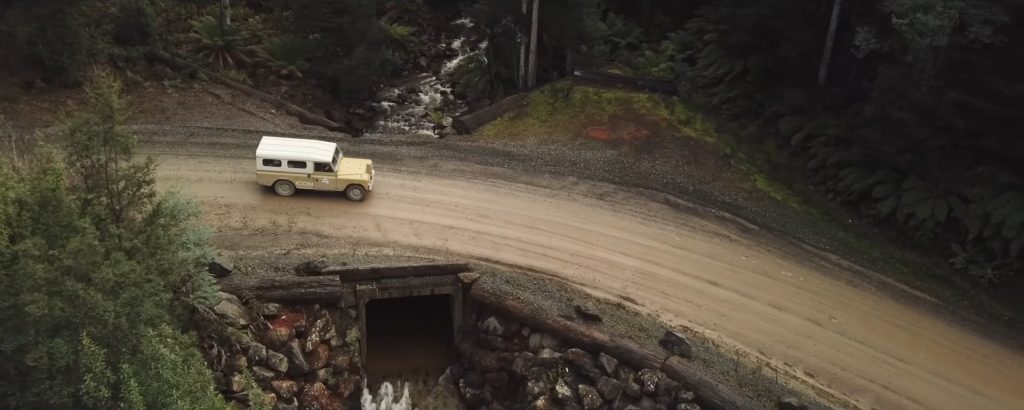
(693, 270)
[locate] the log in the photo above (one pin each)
(467, 123)
(710, 394)
(301, 289)
(304, 116)
(627, 81)
(375, 272)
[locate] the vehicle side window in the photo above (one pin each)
(322, 167)
(272, 163)
(297, 164)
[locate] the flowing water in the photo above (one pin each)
(423, 104)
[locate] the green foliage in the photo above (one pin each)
(134, 23)
(91, 261)
(257, 398)
(223, 47)
(287, 56)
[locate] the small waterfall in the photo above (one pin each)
(423, 104)
(385, 399)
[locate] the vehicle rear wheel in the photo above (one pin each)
(355, 193)
(284, 188)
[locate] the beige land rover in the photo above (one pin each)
(287, 164)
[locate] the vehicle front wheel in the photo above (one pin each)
(355, 193)
(284, 188)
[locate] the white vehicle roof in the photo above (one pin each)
(296, 149)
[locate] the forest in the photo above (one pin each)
(905, 110)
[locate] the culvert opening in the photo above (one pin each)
(409, 336)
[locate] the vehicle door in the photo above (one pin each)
(324, 177)
(302, 174)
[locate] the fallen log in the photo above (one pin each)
(304, 116)
(302, 289)
(627, 81)
(375, 272)
(467, 123)
(710, 394)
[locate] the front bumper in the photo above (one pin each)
(369, 187)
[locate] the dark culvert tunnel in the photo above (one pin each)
(409, 335)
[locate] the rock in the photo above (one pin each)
(586, 314)
(275, 338)
(584, 361)
(676, 344)
(790, 403)
(257, 353)
(589, 397)
(631, 407)
(285, 389)
(492, 342)
(263, 374)
(339, 361)
(220, 266)
(609, 388)
(647, 404)
(492, 326)
(548, 357)
(297, 364)
(232, 310)
(667, 387)
(318, 358)
(238, 363)
(323, 375)
(533, 343)
(317, 333)
(542, 340)
(269, 399)
(608, 363)
(472, 396)
(277, 361)
(542, 403)
(235, 383)
(468, 278)
(347, 385)
(310, 268)
(525, 331)
(631, 389)
(563, 393)
(649, 380)
(687, 406)
(522, 363)
(536, 388)
(496, 379)
(317, 397)
(684, 396)
(269, 309)
(289, 404)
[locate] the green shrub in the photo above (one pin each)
(134, 23)
(287, 56)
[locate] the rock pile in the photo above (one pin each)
(506, 365)
(302, 357)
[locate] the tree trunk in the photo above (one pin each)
(521, 74)
(569, 69)
(467, 123)
(830, 40)
(531, 80)
(362, 273)
(225, 14)
(301, 289)
(710, 394)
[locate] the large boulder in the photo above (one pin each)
(318, 358)
(277, 361)
(285, 389)
(563, 393)
(676, 344)
(589, 397)
(277, 337)
(263, 374)
(297, 364)
(536, 388)
(317, 397)
(231, 309)
(608, 363)
(317, 332)
(220, 266)
(542, 403)
(649, 380)
(584, 361)
(609, 388)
